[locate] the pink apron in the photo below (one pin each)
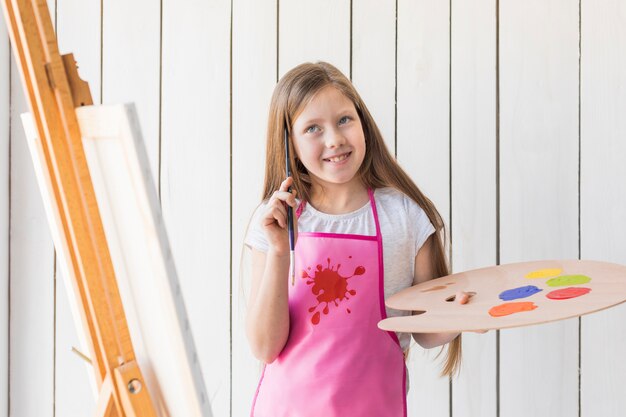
(336, 361)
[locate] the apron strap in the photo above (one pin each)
(370, 192)
(300, 209)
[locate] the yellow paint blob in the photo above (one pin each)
(544, 273)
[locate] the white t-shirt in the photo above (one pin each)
(404, 227)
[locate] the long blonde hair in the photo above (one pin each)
(379, 168)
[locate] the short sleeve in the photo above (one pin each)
(425, 229)
(255, 237)
(423, 226)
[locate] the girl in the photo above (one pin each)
(364, 230)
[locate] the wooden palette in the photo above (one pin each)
(595, 286)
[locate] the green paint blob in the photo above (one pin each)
(568, 280)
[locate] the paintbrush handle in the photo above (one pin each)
(289, 213)
(290, 227)
(291, 241)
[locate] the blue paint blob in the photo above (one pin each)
(520, 292)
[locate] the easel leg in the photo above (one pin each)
(105, 407)
(133, 392)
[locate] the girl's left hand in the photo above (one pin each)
(463, 298)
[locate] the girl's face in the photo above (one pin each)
(328, 138)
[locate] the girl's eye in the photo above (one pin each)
(344, 120)
(311, 129)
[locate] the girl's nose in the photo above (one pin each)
(334, 138)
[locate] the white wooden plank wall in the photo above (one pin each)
(195, 176)
(538, 192)
(131, 65)
(423, 139)
(473, 205)
(603, 197)
(5, 99)
(201, 75)
(254, 74)
(311, 31)
(374, 62)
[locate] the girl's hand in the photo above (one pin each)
(463, 298)
(274, 219)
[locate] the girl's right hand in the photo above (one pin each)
(274, 219)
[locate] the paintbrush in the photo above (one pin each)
(292, 260)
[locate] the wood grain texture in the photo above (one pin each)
(77, 229)
(78, 31)
(373, 62)
(31, 279)
(314, 31)
(131, 44)
(195, 176)
(473, 179)
(423, 97)
(5, 102)
(606, 282)
(539, 192)
(603, 197)
(75, 221)
(423, 150)
(31, 284)
(253, 79)
(538, 171)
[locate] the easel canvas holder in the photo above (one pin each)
(93, 259)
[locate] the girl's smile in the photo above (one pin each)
(339, 159)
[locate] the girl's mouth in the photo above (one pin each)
(338, 158)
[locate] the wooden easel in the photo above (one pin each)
(54, 90)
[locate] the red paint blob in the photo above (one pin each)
(511, 308)
(329, 287)
(316, 318)
(569, 292)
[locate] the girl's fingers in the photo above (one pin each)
(276, 212)
(280, 214)
(284, 196)
(284, 186)
(462, 297)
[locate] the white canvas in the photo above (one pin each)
(141, 256)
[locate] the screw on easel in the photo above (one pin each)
(134, 386)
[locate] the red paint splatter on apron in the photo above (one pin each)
(329, 287)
